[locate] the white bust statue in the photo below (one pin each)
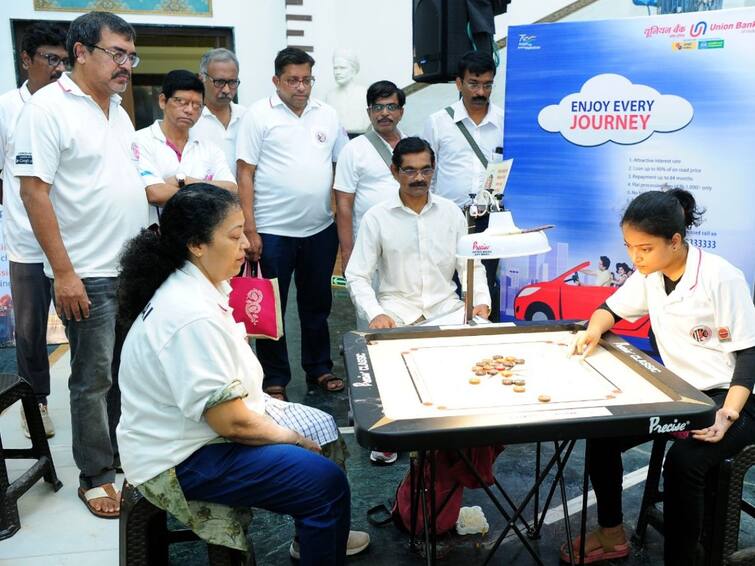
(349, 99)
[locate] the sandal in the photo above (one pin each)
(106, 491)
(325, 380)
(276, 392)
(608, 549)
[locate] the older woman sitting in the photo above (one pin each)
(195, 424)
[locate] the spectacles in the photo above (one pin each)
(120, 57)
(391, 107)
(293, 83)
(183, 103)
(220, 83)
(474, 86)
(54, 60)
(412, 173)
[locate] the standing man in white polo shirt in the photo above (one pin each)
(77, 158)
(44, 57)
(171, 155)
(221, 116)
(461, 162)
(286, 148)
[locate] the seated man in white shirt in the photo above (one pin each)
(171, 155)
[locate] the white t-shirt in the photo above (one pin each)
(458, 170)
(707, 317)
(362, 172)
(294, 156)
(209, 128)
(183, 348)
(20, 243)
(91, 162)
(160, 160)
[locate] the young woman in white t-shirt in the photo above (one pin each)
(701, 310)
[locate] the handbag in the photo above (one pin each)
(255, 301)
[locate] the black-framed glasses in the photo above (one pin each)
(220, 83)
(391, 107)
(120, 57)
(183, 103)
(55, 60)
(472, 85)
(412, 173)
(293, 83)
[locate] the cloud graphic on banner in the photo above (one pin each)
(610, 108)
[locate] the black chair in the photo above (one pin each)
(13, 388)
(144, 536)
(724, 505)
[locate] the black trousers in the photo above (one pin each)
(687, 466)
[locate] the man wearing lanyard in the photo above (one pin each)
(466, 136)
(171, 154)
(44, 57)
(220, 119)
(286, 147)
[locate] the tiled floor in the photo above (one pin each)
(57, 529)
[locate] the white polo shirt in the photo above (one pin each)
(294, 156)
(701, 323)
(20, 243)
(415, 258)
(91, 163)
(209, 128)
(183, 348)
(160, 160)
(362, 172)
(458, 171)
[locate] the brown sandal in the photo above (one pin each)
(326, 379)
(276, 392)
(106, 491)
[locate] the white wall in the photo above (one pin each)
(259, 30)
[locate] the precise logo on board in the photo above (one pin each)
(657, 428)
(364, 379)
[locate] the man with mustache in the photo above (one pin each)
(171, 154)
(221, 117)
(44, 57)
(461, 167)
(77, 160)
(410, 241)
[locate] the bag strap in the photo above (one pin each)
(373, 137)
(469, 138)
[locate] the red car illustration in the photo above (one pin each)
(563, 298)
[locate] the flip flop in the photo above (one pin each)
(325, 379)
(101, 492)
(276, 392)
(607, 551)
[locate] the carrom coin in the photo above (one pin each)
(474, 380)
(544, 398)
(479, 372)
(519, 389)
(609, 396)
(442, 407)
(507, 381)
(521, 382)
(497, 356)
(428, 403)
(506, 373)
(492, 372)
(519, 361)
(616, 391)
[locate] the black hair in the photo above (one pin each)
(181, 79)
(292, 56)
(42, 33)
(411, 145)
(189, 218)
(623, 265)
(384, 89)
(476, 62)
(663, 213)
(87, 30)
(605, 260)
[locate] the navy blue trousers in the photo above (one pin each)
(310, 262)
(281, 478)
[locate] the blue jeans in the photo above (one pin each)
(310, 260)
(31, 293)
(93, 343)
(280, 478)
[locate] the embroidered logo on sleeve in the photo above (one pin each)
(723, 334)
(24, 158)
(701, 333)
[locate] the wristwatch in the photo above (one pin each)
(181, 178)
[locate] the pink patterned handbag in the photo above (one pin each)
(255, 301)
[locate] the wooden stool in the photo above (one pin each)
(144, 536)
(13, 388)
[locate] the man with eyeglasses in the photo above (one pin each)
(286, 148)
(77, 159)
(44, 58)
(221, 116)
(462, 163)
(410, 241)
(171, 154)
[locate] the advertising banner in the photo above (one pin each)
(598, 112)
